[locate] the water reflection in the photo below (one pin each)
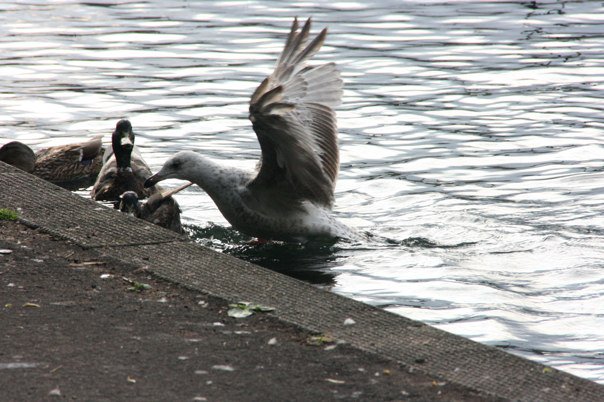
(474, 124)
(311, 262)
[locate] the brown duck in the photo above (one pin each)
(161, 208)
(71, 166)
(19, 155)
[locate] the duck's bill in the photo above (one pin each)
(171, 192)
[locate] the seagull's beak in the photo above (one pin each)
(153, 180)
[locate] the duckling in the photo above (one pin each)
(126, 171)
(71, 166)
(19, 155)
(160, 209)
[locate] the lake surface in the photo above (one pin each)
(471, 133)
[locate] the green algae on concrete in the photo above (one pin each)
(8, 214)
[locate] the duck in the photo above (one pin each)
(19, 155)
(290, 195)
(123, 168)
(160, 209)
(72, 166)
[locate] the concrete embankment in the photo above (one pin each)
(416, 361)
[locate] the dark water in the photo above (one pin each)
(471, 135)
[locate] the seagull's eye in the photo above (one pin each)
(176, 164)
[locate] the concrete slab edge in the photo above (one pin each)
(413, 344)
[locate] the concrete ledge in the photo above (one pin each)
(175, 258)
(80, 220)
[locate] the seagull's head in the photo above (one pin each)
(179, 166)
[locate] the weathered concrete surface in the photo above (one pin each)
(72, 325)
(413, 344)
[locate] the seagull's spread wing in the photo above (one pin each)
(293, 117)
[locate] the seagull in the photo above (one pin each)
(290, 195)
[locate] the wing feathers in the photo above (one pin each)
(292, 115)
(293, 46)
(311, 49)
(287, 49)
(272, 96)
(260, 91)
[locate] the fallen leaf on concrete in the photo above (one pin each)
(136, 286)
(239, 312)
(319, 340)
(55, 369)
(17, 365)
(131, 380)
(65, 303)
(31, 305)
(55, 392)
(139, 287)
(260, 308)
(85, 264)
(245, 309)
(223, 367)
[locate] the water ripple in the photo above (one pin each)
(471, 139)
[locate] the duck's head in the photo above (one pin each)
(179, 166)
(122, 141)
(19, 155)
(128, 202)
